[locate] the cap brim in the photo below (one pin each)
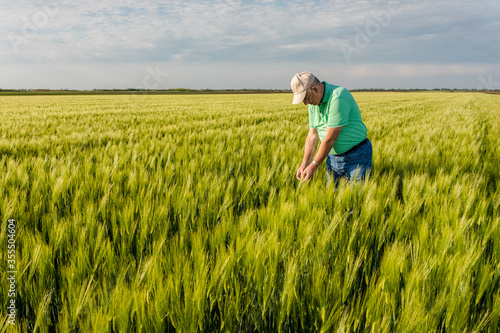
(299, 98)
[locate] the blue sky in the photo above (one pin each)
(248, 44)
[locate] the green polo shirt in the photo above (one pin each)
(338, 108)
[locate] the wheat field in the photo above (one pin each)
(163, 213)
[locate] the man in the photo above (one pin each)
(335, 119)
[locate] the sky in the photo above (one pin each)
(233, 44)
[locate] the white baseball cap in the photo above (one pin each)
(300, 83)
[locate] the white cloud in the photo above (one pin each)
(251, 33)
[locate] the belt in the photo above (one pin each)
(356, 146)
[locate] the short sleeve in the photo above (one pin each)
(338, 112)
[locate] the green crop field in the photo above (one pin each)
(163, 213)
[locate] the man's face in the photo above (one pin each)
(313, 97)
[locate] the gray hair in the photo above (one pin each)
(316, 83)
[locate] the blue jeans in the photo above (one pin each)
(355, 165)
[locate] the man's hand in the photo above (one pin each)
(308, 173)
(300, 171)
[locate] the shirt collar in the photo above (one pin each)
(328, 92)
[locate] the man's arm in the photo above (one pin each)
(309, 150)
(311, 145)
(332, 133)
